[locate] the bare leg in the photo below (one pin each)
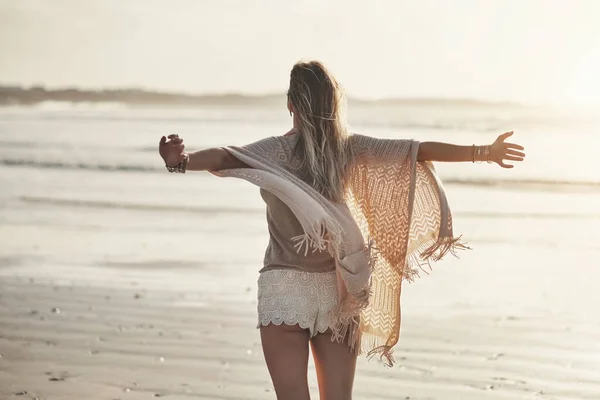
(286, 352)
(335, 365)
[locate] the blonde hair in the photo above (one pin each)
(323, 144)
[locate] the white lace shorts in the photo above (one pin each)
(287, 296)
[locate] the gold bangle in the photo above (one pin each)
(481, 154)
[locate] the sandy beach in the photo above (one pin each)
(73, 334)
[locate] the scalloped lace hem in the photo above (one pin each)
(292, 297)
(313, 331)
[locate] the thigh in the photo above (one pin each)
(286, 352)
(335, 364)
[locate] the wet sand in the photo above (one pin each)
(67, 335)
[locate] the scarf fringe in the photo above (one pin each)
(347, 313)
(322, 235)
(347, 318)
(418, 261)
(372, 345)
(434, 250)
(385, 353)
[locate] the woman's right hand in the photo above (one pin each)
(171, 150)
(500, 151)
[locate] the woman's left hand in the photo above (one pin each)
(172, 150)
(500, 151)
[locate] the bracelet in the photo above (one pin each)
(181, 166)
(481, 153)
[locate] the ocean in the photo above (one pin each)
(85, 183)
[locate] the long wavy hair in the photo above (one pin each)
(324, 144)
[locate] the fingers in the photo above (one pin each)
(513, 146)
(175, 139)
(504, 136)
(515, 153)
(511, 151)
(513, 158)
(174, 144)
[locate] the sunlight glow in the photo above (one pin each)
(585, 84)
(534, 51)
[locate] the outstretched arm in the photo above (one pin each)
(213, 159)
(498, 152)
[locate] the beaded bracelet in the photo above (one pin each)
(181, 166)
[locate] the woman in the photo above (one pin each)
(333, 198)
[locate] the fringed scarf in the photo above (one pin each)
(395, 219)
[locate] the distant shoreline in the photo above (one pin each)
(19, 96)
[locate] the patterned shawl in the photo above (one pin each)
(394, 221)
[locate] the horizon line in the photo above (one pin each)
(255, 95)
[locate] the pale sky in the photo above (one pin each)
(522, 50)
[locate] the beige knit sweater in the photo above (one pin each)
(394, 221)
